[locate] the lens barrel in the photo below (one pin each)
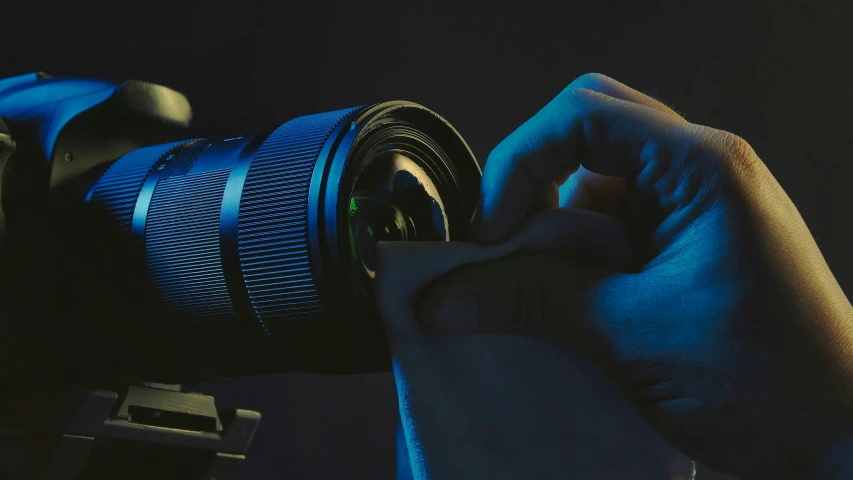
(262, 246)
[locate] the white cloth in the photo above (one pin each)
(547, 405)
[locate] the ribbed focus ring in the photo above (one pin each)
(118, 188)
(182, 244)
(272, 231)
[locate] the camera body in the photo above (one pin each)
(63, 127)
(54, 133)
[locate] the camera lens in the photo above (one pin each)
(394, 199)
(261, 249)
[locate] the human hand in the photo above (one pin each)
(507, 406)
(728, 332)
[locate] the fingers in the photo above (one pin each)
(566, 236)
(610, 87)
(606, 135)
(591, 191)
(404, 268)
(585, 189)
(524, 293)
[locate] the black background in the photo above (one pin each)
(777, 73)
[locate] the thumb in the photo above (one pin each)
(522, 285)
(530, 293)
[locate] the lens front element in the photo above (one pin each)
(393, 199)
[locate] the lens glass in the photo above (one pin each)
(394, 199)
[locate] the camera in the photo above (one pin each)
(136, 258)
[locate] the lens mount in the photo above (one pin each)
(398, 172)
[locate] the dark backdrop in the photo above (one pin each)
(775, 72)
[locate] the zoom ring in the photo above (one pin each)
(272, 228)
(182, 239)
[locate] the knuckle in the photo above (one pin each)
(585, 95)
(590, 81)
(736, 152)
(737, 147)
(580, 101)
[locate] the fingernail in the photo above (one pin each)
(457, 315)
